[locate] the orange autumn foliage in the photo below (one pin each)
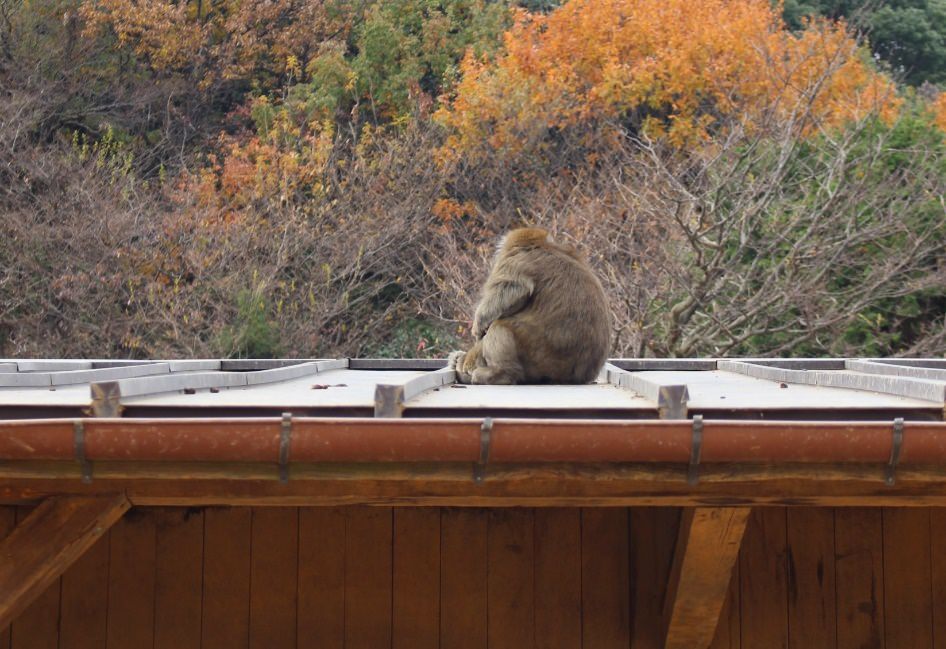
(260, 171)
(676, 67)
(939, 111)
(449, 210)
(221, 40)
(162, 31)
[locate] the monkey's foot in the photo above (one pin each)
(493, 376)
(455, 362)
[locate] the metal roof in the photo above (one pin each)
(633, 388)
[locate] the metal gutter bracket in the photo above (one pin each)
(78, 438)
(890, 475)
(486, 431)
(696, 450)
(285, 440)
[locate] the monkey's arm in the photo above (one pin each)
(502, 297)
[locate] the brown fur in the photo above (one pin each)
(542, 317)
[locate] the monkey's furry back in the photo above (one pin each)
(563, 331)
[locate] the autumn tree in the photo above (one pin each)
(379, 77)
(663, 67)
(216, 42)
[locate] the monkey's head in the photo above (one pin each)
(525, 238)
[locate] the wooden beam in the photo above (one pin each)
(77, 376)
(890, 369)
(454, 486)
(106, 396)
(901, 386)
(398, 363)
(707, 546)
(47, 542)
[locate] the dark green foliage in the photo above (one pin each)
(414, 338)
(895, 324)
(399, 52)
(252, 334)
(910, 35)
(543, 6)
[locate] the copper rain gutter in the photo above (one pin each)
(317, 440)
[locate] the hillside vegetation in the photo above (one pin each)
(206, 178)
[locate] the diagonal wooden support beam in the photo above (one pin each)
(706, 551)
(47, 542)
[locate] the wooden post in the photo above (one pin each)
(47, 542)
(707, 546)
(389, 400)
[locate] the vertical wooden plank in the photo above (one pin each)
(131, 581)
(7, 520)
(605, 586)
(859, 577)
(368, 569)
(557, 578)
(321, 618)
(938, 568)
(653, 533)
(273, 577)
(727, 632)
(416, 611)
(226, 596)
(178, 578)
(762, 579)
(37, 627)
(812, 619)
(908, 607)
(463, 587)
(7, 523)
(510, 570)
(84, 612)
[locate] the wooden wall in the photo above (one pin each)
(274, 578)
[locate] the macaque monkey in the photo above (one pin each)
(542, 317)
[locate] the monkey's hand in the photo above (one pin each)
(502, 297)
(479, 328)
